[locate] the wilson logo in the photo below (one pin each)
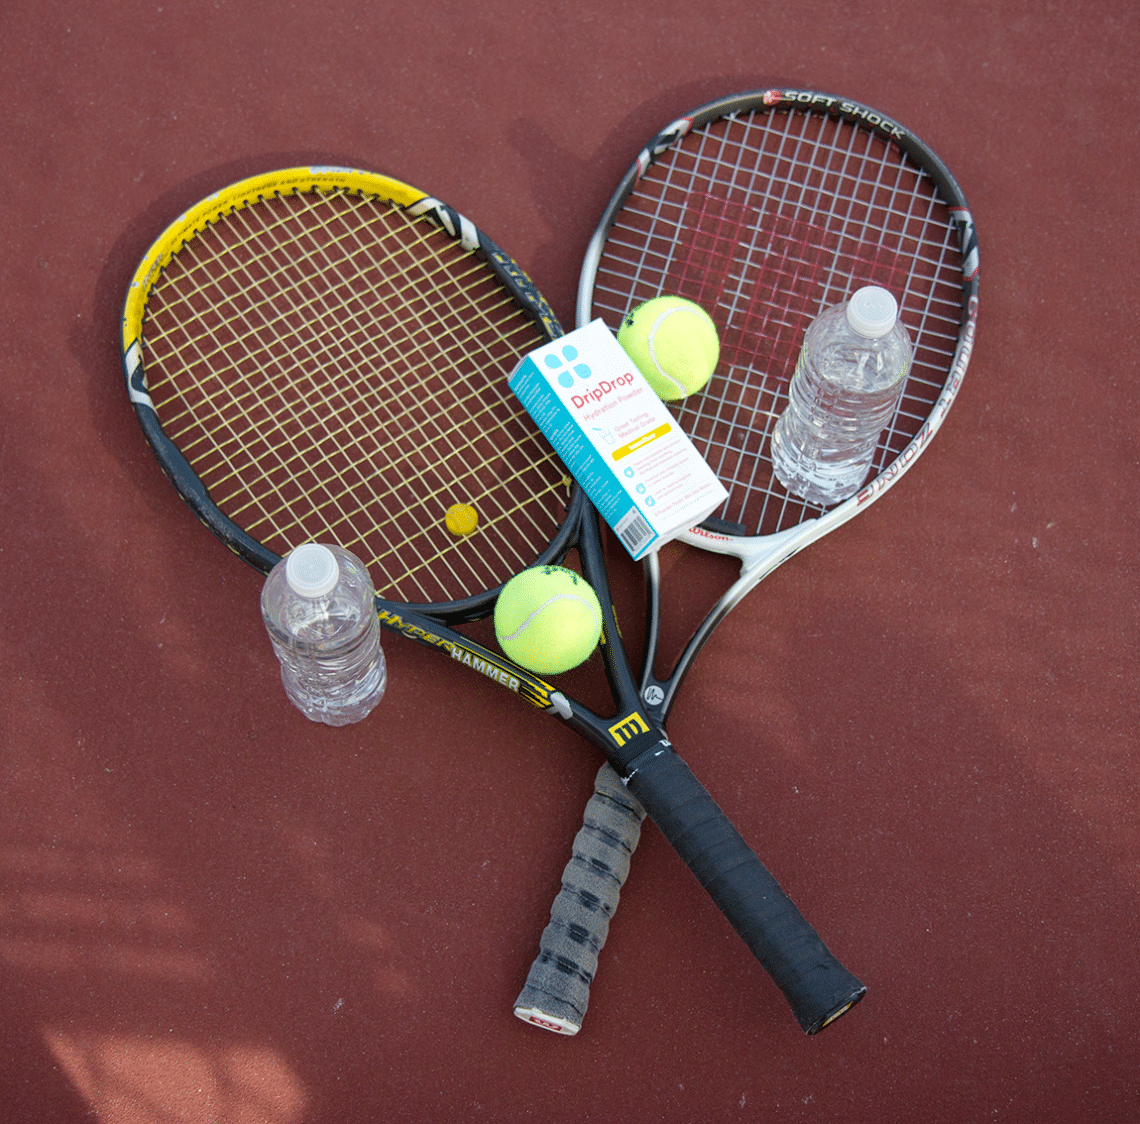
(628, 728)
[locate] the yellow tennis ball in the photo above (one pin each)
(674, 343)
(548, 619)
(461, 519)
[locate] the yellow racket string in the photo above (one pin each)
(334, 368)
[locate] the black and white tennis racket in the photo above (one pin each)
(764, 208)
(322, 353)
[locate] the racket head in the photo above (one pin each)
(321, 354)
(765, 208)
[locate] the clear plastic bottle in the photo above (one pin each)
(318, 609)
(847, 383)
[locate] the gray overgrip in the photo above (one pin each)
(557, 989)
(817, 987)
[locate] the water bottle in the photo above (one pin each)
(318, 610)
(847, 384)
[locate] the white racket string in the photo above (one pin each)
(766, 219)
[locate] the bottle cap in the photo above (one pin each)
(312, 570)
(872, 311)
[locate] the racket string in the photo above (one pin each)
(765, 219)
(377, 403)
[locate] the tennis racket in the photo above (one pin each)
(322, 353)
(764, 208)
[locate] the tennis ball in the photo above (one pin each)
(548, 619)
(674, 344)
(461, 519)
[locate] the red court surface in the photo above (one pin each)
(213, 911)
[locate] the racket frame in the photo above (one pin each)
(816, 986)
(760, 555)
(557, 989)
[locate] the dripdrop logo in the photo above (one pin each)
(566, 367)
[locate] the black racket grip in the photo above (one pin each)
(817, 987)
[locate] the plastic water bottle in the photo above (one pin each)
(318, 610)
(847, 384)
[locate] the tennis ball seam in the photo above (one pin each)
(508, 637)
(651, 339)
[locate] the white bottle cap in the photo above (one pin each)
(312, 570)
(872, 311)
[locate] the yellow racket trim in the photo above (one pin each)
(237, 195)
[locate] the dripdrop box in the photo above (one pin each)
(617, 438)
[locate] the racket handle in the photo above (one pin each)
(557, 988)
(817, 987)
